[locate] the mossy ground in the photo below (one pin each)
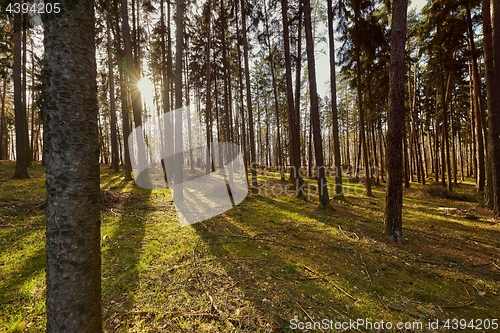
(267, 261)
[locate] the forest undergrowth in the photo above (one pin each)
(269, 261)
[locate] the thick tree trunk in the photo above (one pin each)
(394, 199)
(20, 113)
(73, 225)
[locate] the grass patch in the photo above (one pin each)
(269, 260)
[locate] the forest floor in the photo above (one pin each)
(266, 265)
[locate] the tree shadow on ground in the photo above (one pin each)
(122, 235)
(279, 262)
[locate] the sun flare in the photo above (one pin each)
(147, 89)
(145, 86)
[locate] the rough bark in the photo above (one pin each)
(72, 150)
(396, 121)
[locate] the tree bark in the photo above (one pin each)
(24, 86)
(362, 132)
(491, 28)
(179, 160)
(3, 128)
(339, 192)
(133, 78)
(292, 116)
(275, 95)
(253, 165)
(396, 121)
(72, 151)
(478, 103)
(114, 139)
(20, 114)
(318, 145)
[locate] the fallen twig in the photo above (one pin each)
(472, 301)
(333, 283)
(417, 315)
(308, 316)
(366, 270)
(263, 240)
(495, 265)
(220, 314)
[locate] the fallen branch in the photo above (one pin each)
(366, 270)
(263, 240)
(417, 315)
(308, 316)
(472, 301)
(495, 265)
(333, 283)
(220, 314)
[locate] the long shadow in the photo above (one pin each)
(292, 253)
(275, 271)
(10, 285)
(122, 239)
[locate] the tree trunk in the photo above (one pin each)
(396, 121)
(253, 165)
(242, 109)
(292, 113)
(318, 146)
(20, 114)
(275, 95)
(362, 133)
(179, 160)
(3, 123)
(114, 139)
(134, 77)
(491, 28)
(339, 192)
(478, 107)
(73, 269)
(24, 86)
